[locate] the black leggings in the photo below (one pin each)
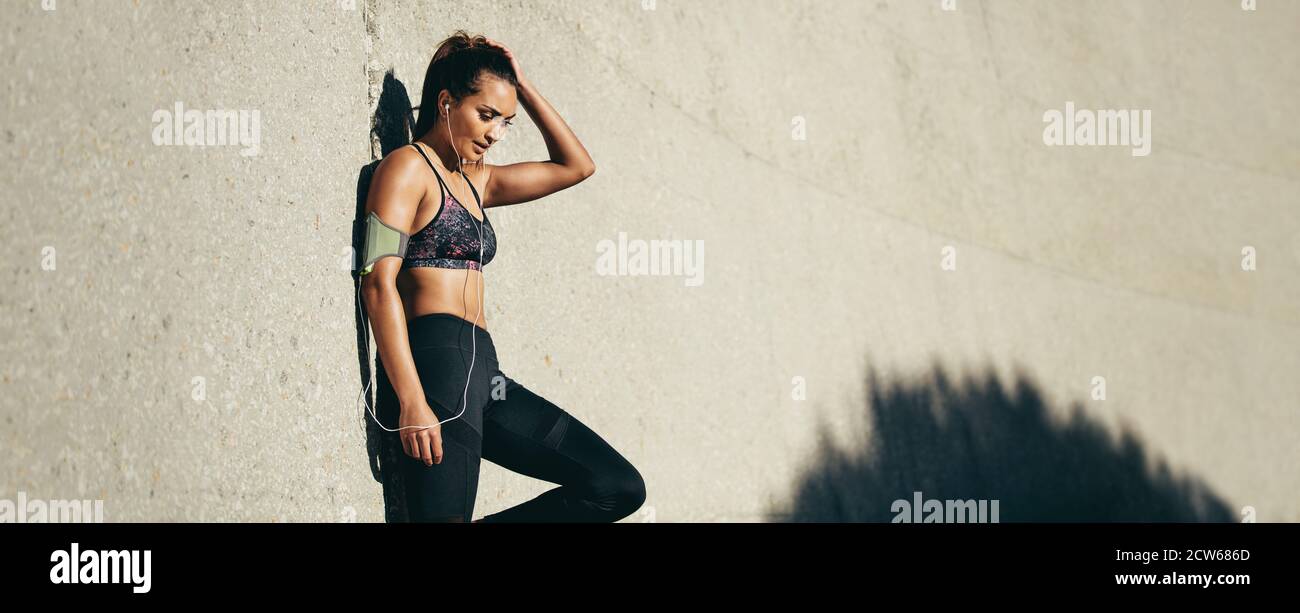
(505, 423)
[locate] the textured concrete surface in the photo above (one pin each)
(177, 331)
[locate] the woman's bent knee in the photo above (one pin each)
(622, 496)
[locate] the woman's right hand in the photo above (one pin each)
(423, 442)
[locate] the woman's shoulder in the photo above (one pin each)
(401, 156)
(481, 174)
(478, 177)
(402, 164)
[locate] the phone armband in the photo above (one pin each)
(381, 241)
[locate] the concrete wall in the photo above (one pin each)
(177, 336)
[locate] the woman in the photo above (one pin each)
(437, 371)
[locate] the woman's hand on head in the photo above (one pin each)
(514, 62)
(423, 442)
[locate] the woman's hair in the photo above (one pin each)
(456, 67)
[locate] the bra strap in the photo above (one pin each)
(441, 186)
(476, 198)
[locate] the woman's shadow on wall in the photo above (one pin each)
(976, 440)
(391, 127)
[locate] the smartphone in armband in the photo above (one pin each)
(381, 241)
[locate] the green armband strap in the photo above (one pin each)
(382, 240)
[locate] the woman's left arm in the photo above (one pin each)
(525, 181)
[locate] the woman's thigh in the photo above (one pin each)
(528, 434)
(445, 491)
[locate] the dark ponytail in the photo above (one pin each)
(456, 67)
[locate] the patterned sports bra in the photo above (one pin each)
(451, 239)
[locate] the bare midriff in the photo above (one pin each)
(442, 290)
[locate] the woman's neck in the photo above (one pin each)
(442, 148)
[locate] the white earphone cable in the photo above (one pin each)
(474, 352)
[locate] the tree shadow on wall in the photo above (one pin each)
(976, 440)
(391, 126)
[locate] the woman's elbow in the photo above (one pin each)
(376, 289)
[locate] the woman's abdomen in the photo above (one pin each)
(443, 290)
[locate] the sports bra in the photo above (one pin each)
(451, 240)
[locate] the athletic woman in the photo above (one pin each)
(440, 392)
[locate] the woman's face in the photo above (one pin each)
(484, 118)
